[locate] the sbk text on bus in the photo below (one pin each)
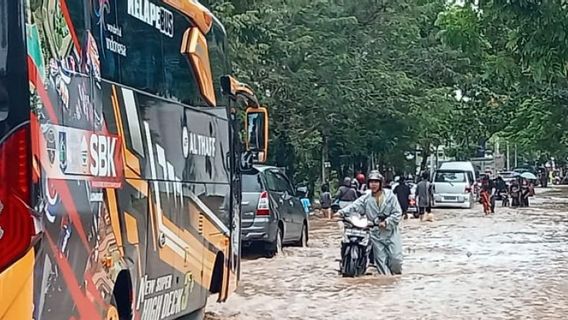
(103, 150)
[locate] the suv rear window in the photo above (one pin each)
(251, 183)
(450, 176)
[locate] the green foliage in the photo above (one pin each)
(526, 64)
(344, 79)
(347, 79)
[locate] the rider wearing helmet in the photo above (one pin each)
(362, 185)
(382, 208)
(346, 193)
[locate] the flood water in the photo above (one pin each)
(510, 265)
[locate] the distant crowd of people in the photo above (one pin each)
(353, 188)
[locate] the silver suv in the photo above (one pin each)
(272, 213)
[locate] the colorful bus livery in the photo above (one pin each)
(73, 154)
(122, 158)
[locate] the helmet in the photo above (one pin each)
(347, 182)
(355, 184)
(361, 178)
(375, 175)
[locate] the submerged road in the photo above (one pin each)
(510, 265)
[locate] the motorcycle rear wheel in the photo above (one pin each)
(354, 261)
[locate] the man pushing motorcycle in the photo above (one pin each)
(381, 207)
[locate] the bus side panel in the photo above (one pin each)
(16, 288)
(127, 182)
(188, 177)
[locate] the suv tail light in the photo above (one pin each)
(16, 222)
(263, 208)
(412, 202)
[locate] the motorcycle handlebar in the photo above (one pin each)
(370, 224)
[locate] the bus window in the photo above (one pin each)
(217, 44)
(180, 82)
(3, 59)
(142, 65)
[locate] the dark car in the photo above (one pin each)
(272, 212)
(508, 176)
(522, 169)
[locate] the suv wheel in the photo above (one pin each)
(275, 248)
(303, 242)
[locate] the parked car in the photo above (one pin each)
(522, 169)
(508, 176)
(472, 174)
(272, 212)
(452, 188)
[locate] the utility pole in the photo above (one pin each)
(508, 158)
(516, 159)
(323, 160)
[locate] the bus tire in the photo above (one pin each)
(217, 277)
(121, 295)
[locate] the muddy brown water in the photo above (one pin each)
(510, 265)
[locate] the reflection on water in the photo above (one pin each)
(511, 265)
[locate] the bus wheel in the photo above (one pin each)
(122, 295)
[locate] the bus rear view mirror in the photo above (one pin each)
(256, 126)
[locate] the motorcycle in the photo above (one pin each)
(338, 205)
(355, 246)
(505, 199)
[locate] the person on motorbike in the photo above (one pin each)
(515, 192)
(501, 189)
(362, 183)
(355, 186)
(381, 207)
(488, 187)
(346, 193)
(526, 192)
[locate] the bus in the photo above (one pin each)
(121, 153)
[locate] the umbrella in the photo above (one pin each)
(528, 175)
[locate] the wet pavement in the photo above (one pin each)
(510, 265)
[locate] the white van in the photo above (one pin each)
(467, 166)
(452, 188)
(463, 166)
